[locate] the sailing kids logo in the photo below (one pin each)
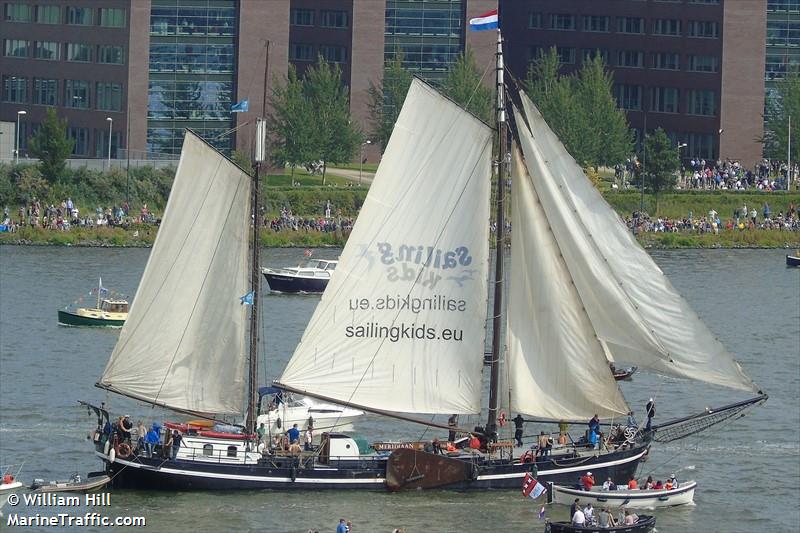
(429, 264)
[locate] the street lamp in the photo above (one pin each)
(361, 160)
(110, 125)
(16, 150)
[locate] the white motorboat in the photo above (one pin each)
(284, 410)
(311, 277)
(634, 499)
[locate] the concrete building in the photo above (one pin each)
(692, 67)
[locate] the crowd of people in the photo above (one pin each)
(327, 223)
(63, 216)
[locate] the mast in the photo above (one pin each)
(255, 281)
(491, 427)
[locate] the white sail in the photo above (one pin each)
(557, 367)
(401, 325)
(182, 345)
(631, 303)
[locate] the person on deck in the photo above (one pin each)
(587, 481)
(588, 513)
(594, 431)
(261, 432)
(609, 485)
(294, 434)
(578, 518)
(633, 484)
(518, 424)
(632, 420)
(452, 423)
(544, 445)
(151, 439)
(575, 506)
(176, 443)
(309, 439)
(125, 427)
(651, 412)
(141, 433)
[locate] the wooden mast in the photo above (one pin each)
(497, 324)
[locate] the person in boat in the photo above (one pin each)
(633, 484)
(575, 506)
(588, 513)
(605, 519)
(141, 433)
(518, 424)
(632, 420)
(587, 481)
(125, 426)
(261, 432)
(578, 518)
(594, 431)
(658, 485)
(650, 409)
(452, 423)
(674, 481)
(176, 444)
(151, 439)
(167, 449)
(474, 442)
(609, 485)
(342, 527)
(8, 479)
(630, 518)
(649, 483)
(294, 434)
(562, 432)
(544, 445)
(295, 449)
(309, 439)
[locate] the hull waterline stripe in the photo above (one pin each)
(563, 470)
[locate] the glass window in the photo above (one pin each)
(670, 27)
(703, 28)
(301, 17)
(107, 53)
(47, 50)
(81, 138)
(665, 99)
(79, 16)
(666, 61)
(630, 58)
(15, 89)
(566, 54)
(76, 94)
(333, 54)
(45, 92)
(589, 53)
(301, 52)
(630, 25)
(112, 18)
(48, 14)
(535, 52)
(16, 48)
(208, 450)
(108, 96)
(703, 64)
(702, 102)
(700, 145)
(596, 23)
(232, 451)
(19, 13)
(629, 96)
(333, 19)
(79, 52)
(534, 20)
(560, 21)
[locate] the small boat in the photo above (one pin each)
(73, 484)
(793, 260)
(634, 499)
(109, 312)
(644, 524)
(311, 277)
(10, 481)
(625, 373)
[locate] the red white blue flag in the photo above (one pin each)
(532, 488)
(487, 21)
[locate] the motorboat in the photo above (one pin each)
(109, 311)
(634, 499)
(793, 260)
(74, 484)
(311, 277)
(644, 524)
(624, 373)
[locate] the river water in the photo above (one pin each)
(748, 471)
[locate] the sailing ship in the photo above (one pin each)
(400, 329)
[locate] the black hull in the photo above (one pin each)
(286, 474)
(284, 283)
(645, 524)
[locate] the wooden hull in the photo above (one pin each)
(645, 524)
(66, 318)
(634, 499)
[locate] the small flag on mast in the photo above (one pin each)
(532, 488)
(487, 21)
(241, 107)
(247, 299)
(541, 513)
(100, 288)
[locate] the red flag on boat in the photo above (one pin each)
(532, 488)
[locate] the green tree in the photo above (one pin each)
(386, 99)
(290, 122)
(786, 103)
(661, 162)
(334, 137)
(51, 146)
(464, 84)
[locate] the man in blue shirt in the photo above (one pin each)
(342, 524)
(294, 434)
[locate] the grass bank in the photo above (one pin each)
(677, 205)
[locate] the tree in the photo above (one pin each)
(786, 103)
(661, 162)
(290, 122)
(386, 99)
(464, 84)
(51, 146)
(334, 138)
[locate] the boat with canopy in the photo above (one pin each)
(400, 329)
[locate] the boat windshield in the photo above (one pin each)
(114, 307)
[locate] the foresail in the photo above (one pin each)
(631, 303)
(182, 345)
(557, 368)
(401, 325)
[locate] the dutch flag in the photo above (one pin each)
(487, 21)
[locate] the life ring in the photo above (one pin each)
(112, 454)
(502, 419)
(124, 450)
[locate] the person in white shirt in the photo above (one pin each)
(578, 519)
(588, 513)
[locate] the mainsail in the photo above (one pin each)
(557, 366)
(632, 305)
(183, 343)
(401, 325)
